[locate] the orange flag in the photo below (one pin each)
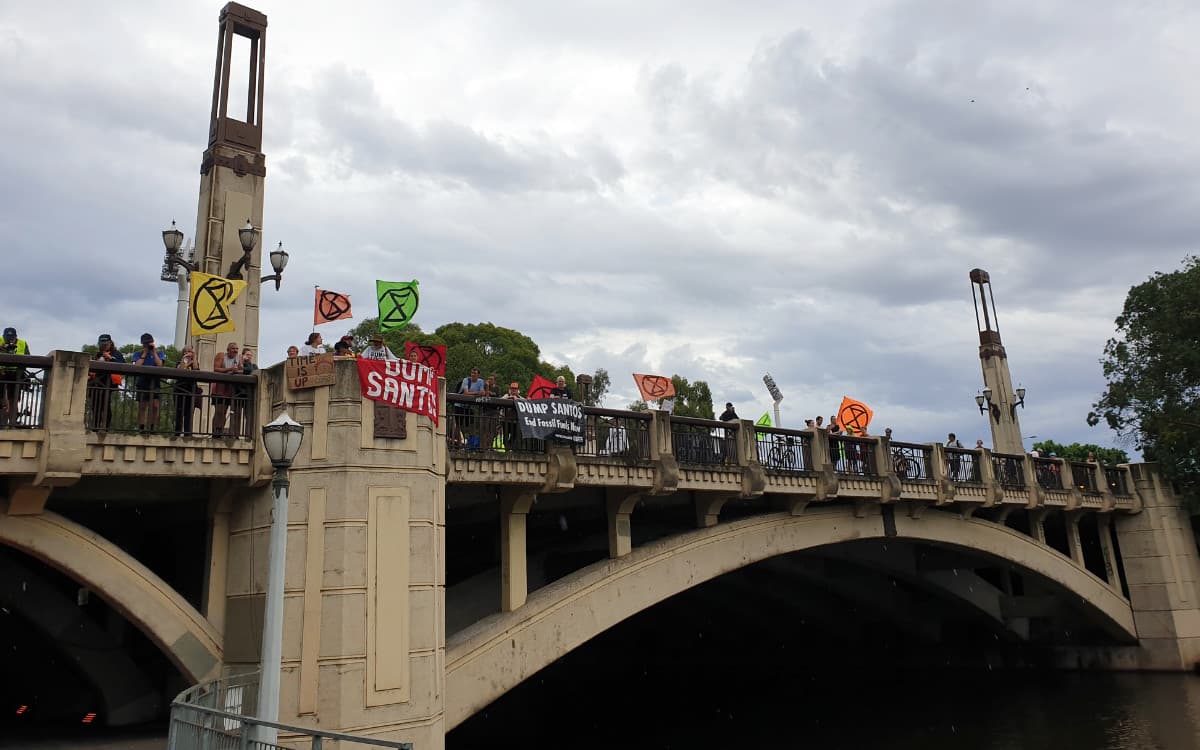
(654, 387)
(330, 306)
(854, 416)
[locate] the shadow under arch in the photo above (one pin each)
(166, 618)
(489, 658)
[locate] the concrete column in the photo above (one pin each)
(515, 504)
(1037, 528)
(1074, 546)
(1111, 571)
(620, 504)
(218, 561)
(1162, 568)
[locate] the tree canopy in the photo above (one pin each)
(1080, 451)
(1152, 367)
(510, 355)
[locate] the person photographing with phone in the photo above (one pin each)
(148, 397)
(186, 393)
(12, 379)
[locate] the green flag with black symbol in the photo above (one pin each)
(398, 302)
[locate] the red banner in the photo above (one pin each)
(410, 386)
(430, 355)
(540, 387)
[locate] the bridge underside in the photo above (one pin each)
(935, 580)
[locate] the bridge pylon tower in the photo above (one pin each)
(998, 398)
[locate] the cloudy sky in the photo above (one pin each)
(714, 189)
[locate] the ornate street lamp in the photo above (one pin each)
(281, 439)
(173, 242)
(279, 259)
(248, 236)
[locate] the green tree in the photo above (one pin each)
(1152, 367)
(1080, 451)
(599, 389)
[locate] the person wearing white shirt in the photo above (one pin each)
(314, 345)
(376, 349)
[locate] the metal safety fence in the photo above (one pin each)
(23, 391)
(781, 450)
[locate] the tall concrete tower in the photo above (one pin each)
(232, 173)
(998, 399)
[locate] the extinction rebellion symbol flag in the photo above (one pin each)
(550, 419)
(212, 300)
(398, 302)
(330, 306)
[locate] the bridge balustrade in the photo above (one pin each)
(1009, 470)
(613, 433)
(963, 465)
(1048, 473)
(1118, 483)
(488, 425)
(912, 461)
(192, 403)
(703, 442)
(23, 391)
(1084, 477)
(785, 451)
(853, 456)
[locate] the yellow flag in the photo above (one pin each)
(212, 302)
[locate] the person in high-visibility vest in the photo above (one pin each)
(12, 379)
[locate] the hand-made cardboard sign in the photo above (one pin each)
(309, 372)
(550, 419)
(410, 386)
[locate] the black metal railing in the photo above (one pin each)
(785, 451)
(612, 433)
(1009, 470)
(1048, 473)
(851, 455)
(1084, 476)
(125, 398)
(23, 391)
(704, 442)
(1117, 480)
(486, 424)
(217, 715)
(963, 465)
(912, 461)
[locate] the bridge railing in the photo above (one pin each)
(613, 433)
(703, 442)
(782, 450)
(23, 391)
(852, 455)
(1118, 480)
(1048, 473)
(216, 715)
(912, 461)
(124, 398)
(1084, 477)
(963, 465)
(1009, 470)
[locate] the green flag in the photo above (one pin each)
(764, 420)
(398, 301)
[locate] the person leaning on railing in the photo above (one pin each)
(102, 384)
(12, 379)
(186, 393)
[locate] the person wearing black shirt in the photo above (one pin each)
(560, 389)
(729, 414)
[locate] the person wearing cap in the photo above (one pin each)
(149, 397)
(102, 384)
(313, 345)
(729, 415)
(12, 379)
(376, 349)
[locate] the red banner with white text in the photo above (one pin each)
(408, 385)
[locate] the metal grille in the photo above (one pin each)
(22, 391)
(1083, 477)
(1117, 480)
(1048, 473)
(912, 461)
(1010, 471)
(486, 424)
(963, 465)
(703, 441)
(855, 456)
(617, 434)
(167, 401)
(783, 451)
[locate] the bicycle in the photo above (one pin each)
(783, 455)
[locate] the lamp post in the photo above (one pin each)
(281, 438)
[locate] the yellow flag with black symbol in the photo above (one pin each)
(212, 300)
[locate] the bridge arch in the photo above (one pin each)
(492, 656)
(167, 619)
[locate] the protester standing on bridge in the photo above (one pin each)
(955, 459)
(148, 397)
(229, 363)
(186, 393)
(12, 379)
(293, 351)
(472, 385)
(313, 345)
(376, 349)
(729, 415)
(102, 384)
(243, 406)
(560, 389)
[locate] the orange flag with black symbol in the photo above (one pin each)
(654, 387)
(330, 306)
(854, 416)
